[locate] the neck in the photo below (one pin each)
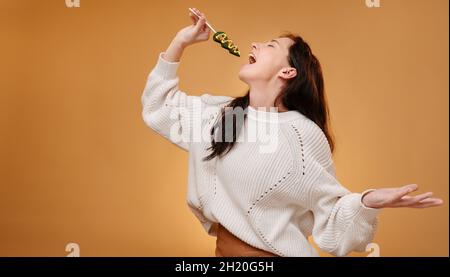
(264, 97)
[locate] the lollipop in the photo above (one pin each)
(222, 38)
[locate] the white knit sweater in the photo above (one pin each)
(272, 198)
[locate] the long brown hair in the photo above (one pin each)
(304, 93)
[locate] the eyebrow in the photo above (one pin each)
(275, 41)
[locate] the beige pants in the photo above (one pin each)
(228, 245)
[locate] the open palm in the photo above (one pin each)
(398, 197)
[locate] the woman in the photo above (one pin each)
(265, 201)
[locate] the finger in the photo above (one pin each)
(205, 27)
(200, 13)
(430, 200)
(197, 11)
(193, 17)
(405, 190)
(407, 201)
(200, 24)
(417, 198)
(428, 204)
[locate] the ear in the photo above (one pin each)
(287, 73)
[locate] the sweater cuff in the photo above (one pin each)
(359, 209)
(367, 212)
(167, 70)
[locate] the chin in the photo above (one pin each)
(242, 76)
(245, 75)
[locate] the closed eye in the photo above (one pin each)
(271, 45)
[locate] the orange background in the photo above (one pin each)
(78, 164)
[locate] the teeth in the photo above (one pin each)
(251, 58)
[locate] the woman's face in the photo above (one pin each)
(267, 61)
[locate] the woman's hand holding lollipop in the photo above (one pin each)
(199, 31)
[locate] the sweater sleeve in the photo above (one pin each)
(171, 112)
(342, 223)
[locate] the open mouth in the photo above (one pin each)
(251, 58)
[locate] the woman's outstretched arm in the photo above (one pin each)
(346, 221)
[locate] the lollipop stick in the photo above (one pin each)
(207, 24)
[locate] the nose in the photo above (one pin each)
(254, 45)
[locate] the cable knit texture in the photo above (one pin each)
(272, 200)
